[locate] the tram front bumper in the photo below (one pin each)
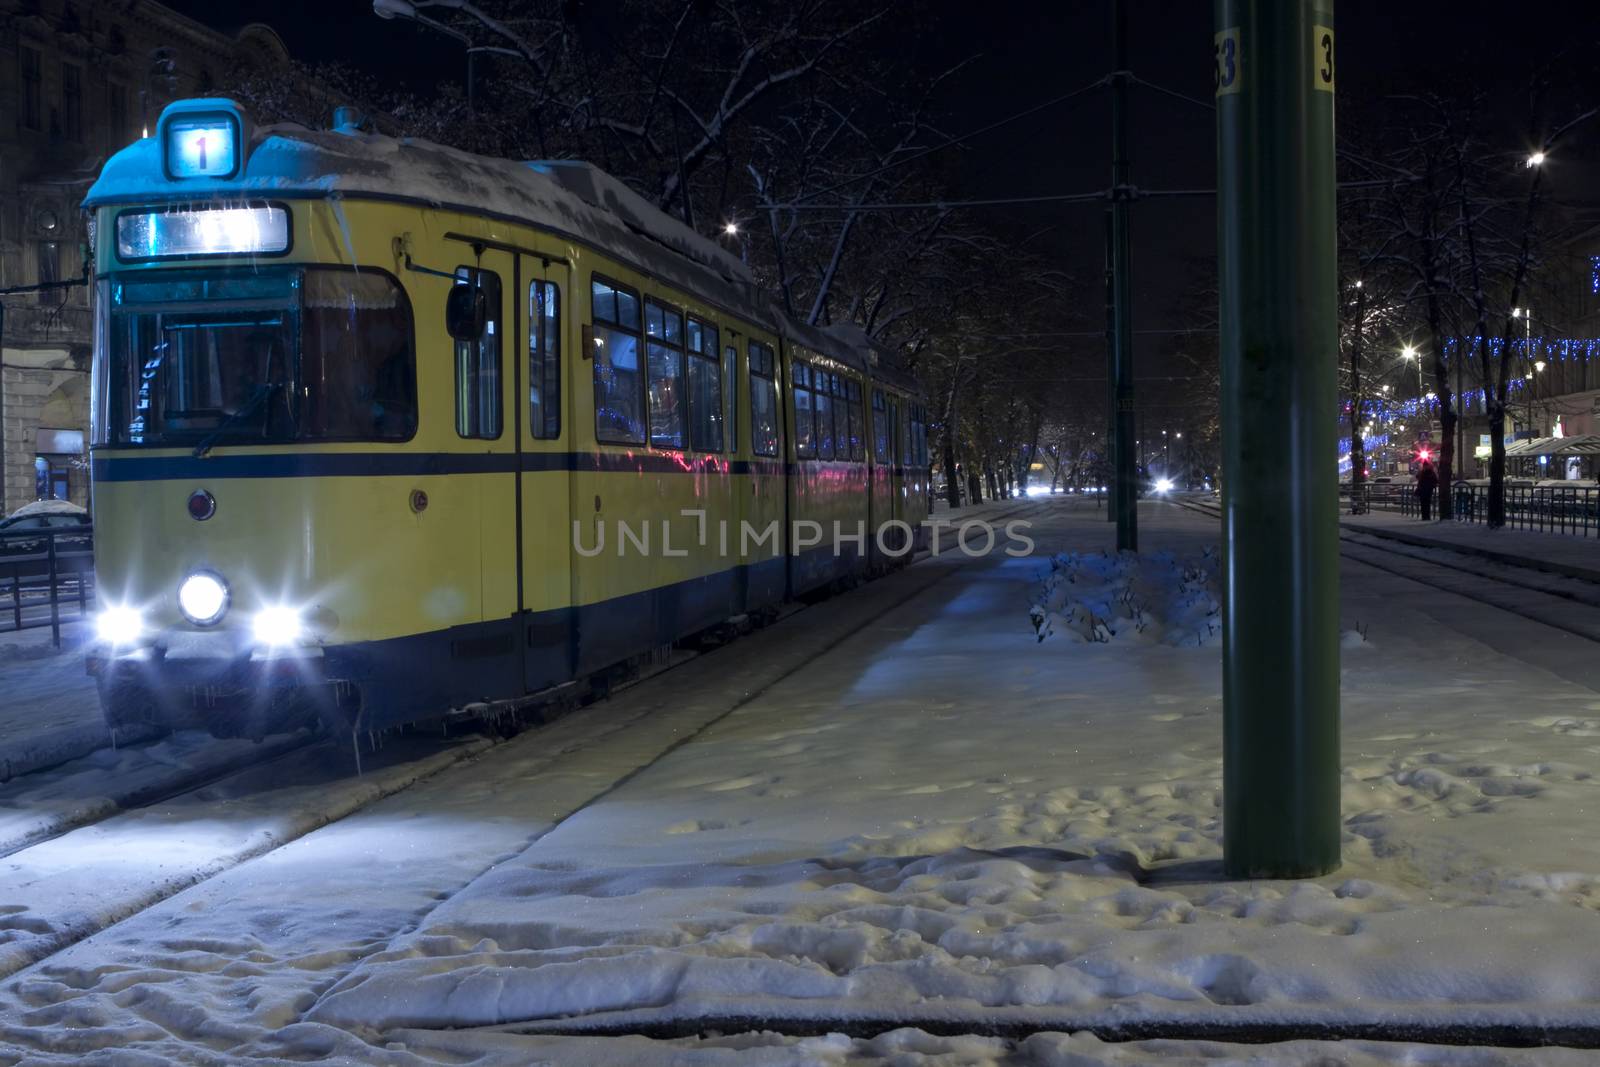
(207, 662)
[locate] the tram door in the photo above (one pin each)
(545, 428)
(486, 656)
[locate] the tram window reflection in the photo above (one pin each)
(357, 362)
(478, 364)
(763, 400)
(618, 379)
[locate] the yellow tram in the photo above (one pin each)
(382, 429)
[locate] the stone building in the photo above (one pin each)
(78, 80)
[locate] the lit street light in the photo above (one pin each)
(1536, 160)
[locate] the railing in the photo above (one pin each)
(44, 573)
(1568, 509)
(1378, 496)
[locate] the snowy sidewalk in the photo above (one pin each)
(1559, 552)
(948, 821)
(936, 820)
(49, 712)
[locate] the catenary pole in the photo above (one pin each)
(1109, 453)
(1122, 296)
(1279, 339)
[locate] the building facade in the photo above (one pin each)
(78, 81)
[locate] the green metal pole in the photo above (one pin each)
(1121, 287)
(1279, 339)
(1108, 468)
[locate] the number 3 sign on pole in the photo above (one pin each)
(1226, 61)
(1322, 58)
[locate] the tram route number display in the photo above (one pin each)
(1227, 60)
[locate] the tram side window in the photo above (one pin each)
(478, 364)
(730, 370)
(663, 327)
(357, 364)
(853, 406)
(544, 360)
(917, 451)
(823, 401)
(619, 407)
(705, 388)
(805, 422)
(763, 400)
(880, 427)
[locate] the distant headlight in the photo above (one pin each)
(1164, 485)
(119, 625)
(203, 598)
(278, 625)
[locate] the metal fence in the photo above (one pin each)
(1380, 496)
(1573, 509)
(46, 577)
(1566, 509)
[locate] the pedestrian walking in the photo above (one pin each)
(1427, 482)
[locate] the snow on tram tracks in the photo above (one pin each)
(69, 870)
(49, 803)
(74, 883)
(1564, 603)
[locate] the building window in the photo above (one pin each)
(32, 96)
(478, 364)
(117, 115)
(48, 270)
(71, 101)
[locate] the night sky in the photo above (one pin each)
(1026, 52)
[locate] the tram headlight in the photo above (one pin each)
(119, 625)
(278, 625)
(1163, 485)
(203, 598)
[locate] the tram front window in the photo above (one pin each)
(269, 357)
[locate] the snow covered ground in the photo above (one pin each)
(895, 812)
(48, 709)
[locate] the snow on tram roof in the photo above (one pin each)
(569, 197)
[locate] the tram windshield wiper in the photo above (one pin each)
(255, 403)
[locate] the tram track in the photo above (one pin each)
(1571, 605)
(20, 954)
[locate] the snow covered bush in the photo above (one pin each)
(1154, 597)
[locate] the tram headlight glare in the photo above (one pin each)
(119, 625)
(1164, 485)
(203, 598)
(278, 625)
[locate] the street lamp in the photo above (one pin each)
(1526, 315)
(1535, 160)
(731, 229)
(1410, 352)
(405, 9)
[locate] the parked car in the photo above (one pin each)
(22, 539)
(45, 514)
